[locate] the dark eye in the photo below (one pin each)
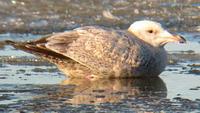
(150, 31)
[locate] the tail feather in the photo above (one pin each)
(37, 50)
(9, 42)
(17, 45)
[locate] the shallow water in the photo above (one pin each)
(31, 84)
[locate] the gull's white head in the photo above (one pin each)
(153, 33)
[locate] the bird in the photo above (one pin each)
(102, 52)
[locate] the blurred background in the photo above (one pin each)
(47, 16)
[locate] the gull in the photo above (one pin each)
(100, 52)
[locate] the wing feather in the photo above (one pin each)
(100, 49)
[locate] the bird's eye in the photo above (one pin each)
(150, 31)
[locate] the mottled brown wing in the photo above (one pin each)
(57, 39)
(100, 49)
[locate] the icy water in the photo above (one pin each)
(31, 84)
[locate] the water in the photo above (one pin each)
(31, 84)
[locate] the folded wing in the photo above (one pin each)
(100, 49)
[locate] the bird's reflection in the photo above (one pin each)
(113, 90)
